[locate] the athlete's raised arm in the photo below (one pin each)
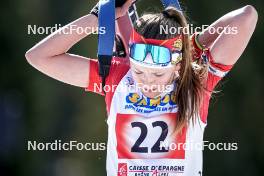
(50, 55)
(227, 48)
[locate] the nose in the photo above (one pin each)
(148, 79)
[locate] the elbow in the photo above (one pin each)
(250, 14)
(30, 56)
(34, 58)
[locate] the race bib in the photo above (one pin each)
(140, 137)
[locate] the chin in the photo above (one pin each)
(151, 94)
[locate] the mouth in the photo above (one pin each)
(151, 90)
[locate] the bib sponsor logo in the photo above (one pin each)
(150, 103)
(151, 170)
(122, 169)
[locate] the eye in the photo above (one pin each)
(159, 74)
(138, 72)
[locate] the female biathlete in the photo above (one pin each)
(158, 99)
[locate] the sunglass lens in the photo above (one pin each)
(161, 55)
(138, 52)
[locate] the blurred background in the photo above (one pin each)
(34, 106)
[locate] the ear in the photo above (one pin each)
(178, 66)
(176, 71)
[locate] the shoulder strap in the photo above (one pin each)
(174, 3)
(106, 21)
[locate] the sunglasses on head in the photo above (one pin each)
(160, 55)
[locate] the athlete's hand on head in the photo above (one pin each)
(121, 11)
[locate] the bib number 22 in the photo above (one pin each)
(143, 134)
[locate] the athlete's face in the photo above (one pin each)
(153, 80)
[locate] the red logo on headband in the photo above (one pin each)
(174, 44)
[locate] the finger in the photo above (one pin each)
(127, 4)
(123, 10)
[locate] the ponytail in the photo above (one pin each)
(189, 87)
